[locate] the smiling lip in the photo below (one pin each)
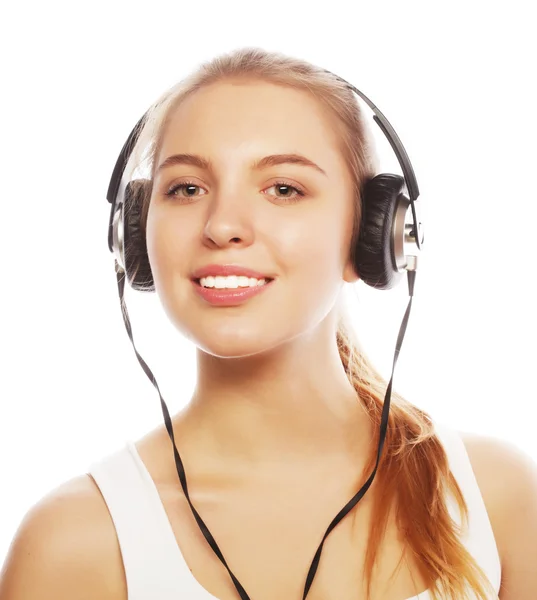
(229, 296)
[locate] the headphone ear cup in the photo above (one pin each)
(137, 265)
(374, 257)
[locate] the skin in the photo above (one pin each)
(271, 391)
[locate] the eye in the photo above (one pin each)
(298, 192)
(181, 186)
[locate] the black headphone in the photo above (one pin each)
(380, 257)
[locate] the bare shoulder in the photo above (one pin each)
(507, 478)
(506, 475)
(65, 547)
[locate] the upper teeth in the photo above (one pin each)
(233, 281)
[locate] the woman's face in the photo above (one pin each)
(235, 214)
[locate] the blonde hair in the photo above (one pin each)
(414, 469)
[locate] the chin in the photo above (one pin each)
(233, 342)
(223, 347)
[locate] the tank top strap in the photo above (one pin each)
(154, 567)
(478, 538)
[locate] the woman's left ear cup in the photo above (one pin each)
(373, 257)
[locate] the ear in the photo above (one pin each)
(349, 274)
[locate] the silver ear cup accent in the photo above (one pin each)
(405, 248)
(118, 225)
(118, 237)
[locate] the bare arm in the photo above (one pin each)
(507, 478)
(519, 472)
(62, 549)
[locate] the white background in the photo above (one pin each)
(457, 82)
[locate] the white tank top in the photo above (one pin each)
(153, 562)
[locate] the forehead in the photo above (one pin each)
(243, 119)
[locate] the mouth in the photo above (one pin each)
(231, 296)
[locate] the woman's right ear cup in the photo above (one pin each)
(137, 265)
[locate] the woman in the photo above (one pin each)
(282, 428)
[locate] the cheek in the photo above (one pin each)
(167, 238)
(314, 250)
(311, 257)
(167, 244)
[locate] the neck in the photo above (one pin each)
(293, 406)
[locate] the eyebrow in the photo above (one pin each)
(267, 161)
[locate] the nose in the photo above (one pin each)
(229, 223)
